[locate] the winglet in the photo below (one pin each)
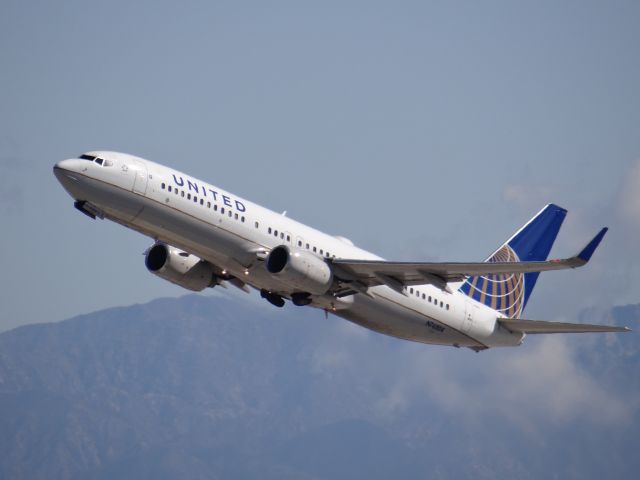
(585, 254)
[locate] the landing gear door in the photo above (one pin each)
(140, 173)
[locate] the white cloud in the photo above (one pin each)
(539, 382)
(548, 381)
(532, 387)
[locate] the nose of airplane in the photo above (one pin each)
(64, 165)
(66, 173)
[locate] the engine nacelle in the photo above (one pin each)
(299, 269)
(180, 268)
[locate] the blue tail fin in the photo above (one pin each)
(509, 294)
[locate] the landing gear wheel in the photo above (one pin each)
(272, 298)
(301, 298)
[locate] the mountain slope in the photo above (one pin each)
(204, 387)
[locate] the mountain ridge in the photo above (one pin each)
(206, 387)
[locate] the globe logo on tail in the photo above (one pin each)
(503, 292)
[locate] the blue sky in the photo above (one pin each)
(421, 130)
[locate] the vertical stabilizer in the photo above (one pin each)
(509, 294)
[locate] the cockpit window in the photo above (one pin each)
(100, 161)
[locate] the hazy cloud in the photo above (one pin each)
(541, 383)
(548, 381)
(12, 168)
(543, 380)
(629, 197)
(610, 278)
(527, 197)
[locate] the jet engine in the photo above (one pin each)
(180, 268)
(299, 269)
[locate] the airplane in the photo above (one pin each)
(205, 236)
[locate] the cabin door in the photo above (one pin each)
(140, 173)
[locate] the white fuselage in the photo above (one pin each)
(236, 234)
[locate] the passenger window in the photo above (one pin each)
(242, 219)
(447, 306)
(281, 235)
(236, 215)
(195, 199)
(441, 304)
(314, 250)
(257, 225)
(411, 290)
(208, 204)
(162, 186)
(182, 192)
(215, 208)
(275, 233)
(188, 196)
(288, 238)
(169, 188)
(299, 243)
(307, 246)
(429, 298)
(221, 210)
(423, 296)
(269, 230)
(417, 294)
(230, 213)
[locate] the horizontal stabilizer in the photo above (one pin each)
(540, 326)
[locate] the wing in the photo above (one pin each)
(369, 273)
(539, 326)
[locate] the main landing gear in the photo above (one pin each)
(272, 298)
(299, 299)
